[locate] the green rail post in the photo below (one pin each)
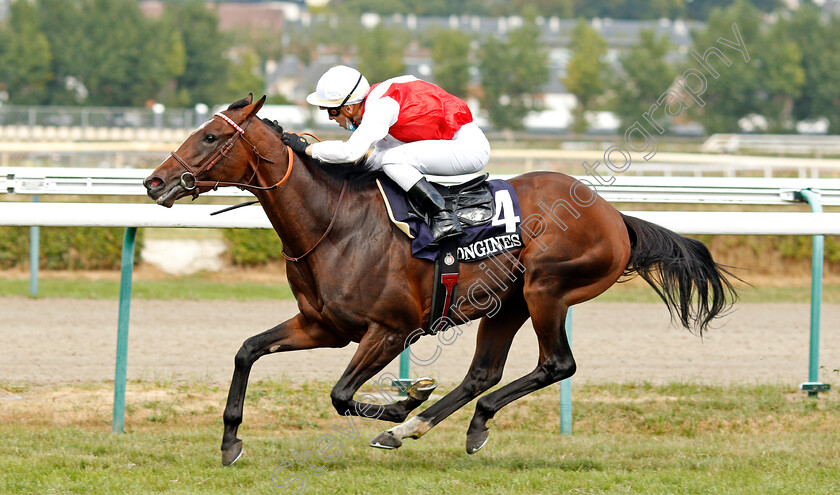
(405, 362)
(34, 255)
(405, 373)
(118, 425)
(814, 386)
(566, 388)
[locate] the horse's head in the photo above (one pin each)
(195, 166)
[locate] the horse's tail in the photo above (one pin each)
(681, 270)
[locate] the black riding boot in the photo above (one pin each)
(444, 222)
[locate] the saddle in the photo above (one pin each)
(489, 215)
(471, 201)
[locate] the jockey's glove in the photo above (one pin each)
(294, 141)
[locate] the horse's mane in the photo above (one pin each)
(244, 102)
(352, 172)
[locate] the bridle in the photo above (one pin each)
(188, 178)
(189, 182)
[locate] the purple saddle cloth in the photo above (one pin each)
(488, 211)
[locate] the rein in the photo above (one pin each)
(329, 228)
(189, 182)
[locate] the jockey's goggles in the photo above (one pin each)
(336, 111)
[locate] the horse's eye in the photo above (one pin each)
(210, 138)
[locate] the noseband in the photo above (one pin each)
(188, 178)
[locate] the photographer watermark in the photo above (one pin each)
(501, 271)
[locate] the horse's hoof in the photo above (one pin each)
(386, 440)
(232, 453)
(476, 440)
(421, 388)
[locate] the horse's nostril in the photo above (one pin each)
(154, 182)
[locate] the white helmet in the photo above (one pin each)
(339, 86)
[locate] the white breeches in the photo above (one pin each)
(405, 163)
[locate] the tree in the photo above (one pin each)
(585, 72)
(25, 56)
(615, 9)
(782, 77)
(625, 9)
(382, 7)
(819, 42)
(735, 93)
(62, 22)
(451, 57)
(512, 74)
(110, 44)
(430, 7)
(206, 73)
(703, 10)
(302, 44)
(416, 7)
(266, 44)
(171, 61)
(105, 52)
(341, 36)
(126, 59)
(644, 75)
(246, 76)
(381, 52)
(767, 84)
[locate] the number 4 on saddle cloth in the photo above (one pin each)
(490, 218)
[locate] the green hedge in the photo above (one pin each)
(253, 247)
(67, 248)
(790, 247)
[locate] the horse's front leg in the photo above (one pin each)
(294, 334)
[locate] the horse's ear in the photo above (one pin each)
(255, 107)
(244, 102)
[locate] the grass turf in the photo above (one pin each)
(628, 438)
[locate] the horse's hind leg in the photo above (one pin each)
(548, 314)
(493, 341)
(294, 334)
(379, 346)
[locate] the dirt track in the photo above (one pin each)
(50, 341)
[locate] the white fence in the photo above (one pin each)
(185, 215)
(702, 190)
(773, 143)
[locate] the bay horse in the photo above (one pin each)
(354, 278)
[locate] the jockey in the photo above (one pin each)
(415, 128)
